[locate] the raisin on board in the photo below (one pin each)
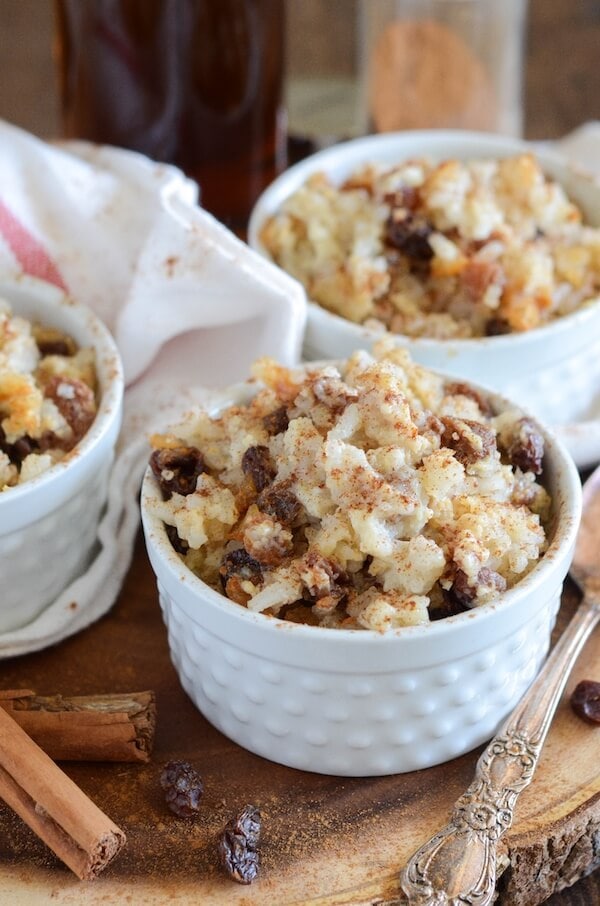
(177, 469)
(183, 788)
(585, 701)
(238, 845)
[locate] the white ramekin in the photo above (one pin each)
(361, 703)
(552, 370)
(48, 524)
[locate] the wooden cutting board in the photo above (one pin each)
(327, 841)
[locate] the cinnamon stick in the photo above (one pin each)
(53, 805)
(87, 727)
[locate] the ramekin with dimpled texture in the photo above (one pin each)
(357, 702)
(552, 370)
(48, 525)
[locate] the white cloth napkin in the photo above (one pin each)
(190, 306)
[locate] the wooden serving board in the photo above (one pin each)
(327, 841)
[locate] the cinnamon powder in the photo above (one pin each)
(423, 75)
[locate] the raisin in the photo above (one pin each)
(22, 448)
(410, 235)
(239, 563)
(449, 606)
(525, 449)
(585, 701)
(177, 469)
(238, 845)
(238, 566)
(470, 440)
(497, 327)
(457, 388)
(55, 347)
(279, 502)
(179, 544)
(461, 591)
(326, 604)
(74, 400)
(183, 788)
(464, 593)
(257, 463)
(322, 578)
(276, 422)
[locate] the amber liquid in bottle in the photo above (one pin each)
(195, 83)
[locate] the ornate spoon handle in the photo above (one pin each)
(457, 867)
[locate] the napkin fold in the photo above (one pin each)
(189, 304)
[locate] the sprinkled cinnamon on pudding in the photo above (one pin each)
(47, 396)
(371, 494)
(450, 250)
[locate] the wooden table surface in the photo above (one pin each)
(561, 91)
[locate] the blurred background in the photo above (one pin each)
(562, 53)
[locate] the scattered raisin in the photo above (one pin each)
(74, 400)
(183, 788)
(257, 463)
(526, 447)
(276, 422)
(409, 234)
(470, 440)
(279, 502)
(238, 846)
(585, 701)
(177, 469)
(179, 544)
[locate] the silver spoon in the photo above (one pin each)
(457, 867)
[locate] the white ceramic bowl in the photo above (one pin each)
(552, 370)
(357, 702)
(48, 524)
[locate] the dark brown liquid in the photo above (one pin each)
(195, 83)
